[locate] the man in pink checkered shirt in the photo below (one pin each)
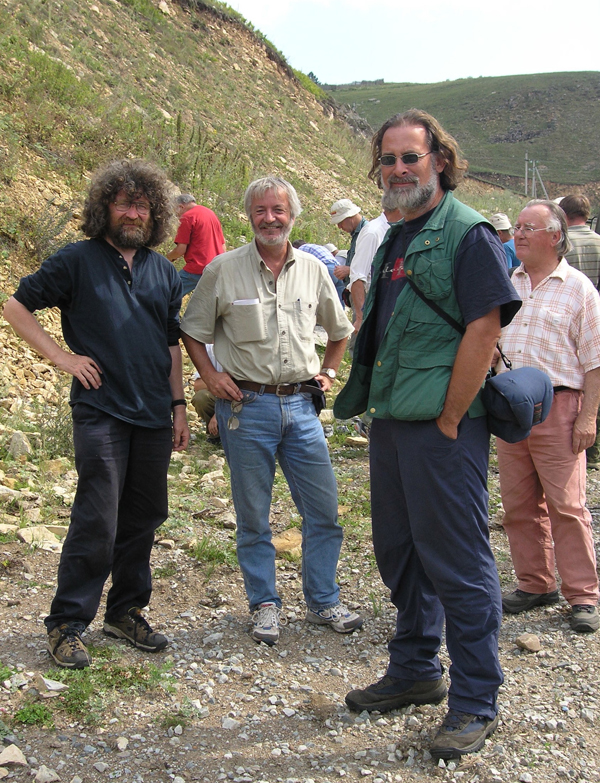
(542, 479)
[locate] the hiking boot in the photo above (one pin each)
(267, 619)
(391, 693)
(339, 617)
(66, 647)
(461, 733)
(135, 629)
(584, 618)
(520, 601)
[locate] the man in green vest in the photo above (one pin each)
(419, 378)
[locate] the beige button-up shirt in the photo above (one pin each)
(262, 331)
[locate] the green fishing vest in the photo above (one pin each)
(408, 378)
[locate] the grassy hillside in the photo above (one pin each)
(187, 84)
(553, 117)
(192, 89)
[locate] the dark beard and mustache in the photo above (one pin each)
(128, 236)
(409, 200)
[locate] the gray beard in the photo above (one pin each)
(132, 238)
(272, 241)
(410, 200)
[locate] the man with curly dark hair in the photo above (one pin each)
(119, 303)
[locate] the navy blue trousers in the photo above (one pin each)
(430, 534)
(121, 499)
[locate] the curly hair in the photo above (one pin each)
(440, 142)
(134, 177)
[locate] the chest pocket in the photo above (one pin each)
(304, 315)
(247, 323)
(433, 276)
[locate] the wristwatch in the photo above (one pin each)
(328, 372)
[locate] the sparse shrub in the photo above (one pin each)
(34, 714)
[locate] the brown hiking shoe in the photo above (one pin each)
(66, 647)
(135, 629)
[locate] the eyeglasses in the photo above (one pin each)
(527, 231)
(409, 158)
(140, 206)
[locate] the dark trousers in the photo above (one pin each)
(121, 500)
(430, 536)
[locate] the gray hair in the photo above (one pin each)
(261, 186)
(557, 222)
(185, 198)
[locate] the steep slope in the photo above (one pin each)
(197, 91)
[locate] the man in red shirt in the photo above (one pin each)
(199, 239)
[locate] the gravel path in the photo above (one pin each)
(217, 706)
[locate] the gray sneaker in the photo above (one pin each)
(266, 621)
(135, 629)
(66, 647)
(339, 617)
(584, 618)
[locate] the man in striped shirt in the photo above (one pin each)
(542, 478)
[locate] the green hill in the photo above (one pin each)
(553, 117)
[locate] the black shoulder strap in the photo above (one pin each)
(448, 318)
(436, 309)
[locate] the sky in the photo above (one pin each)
(342, 41)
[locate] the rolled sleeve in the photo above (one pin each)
(202, 311)
(329, 313)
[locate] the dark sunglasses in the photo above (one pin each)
(409, 158)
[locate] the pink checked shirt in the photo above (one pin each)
(557, 329)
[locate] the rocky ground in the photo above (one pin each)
(217, 706)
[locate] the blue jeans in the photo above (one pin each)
(189, 281)
(431, 541)
(289, 429)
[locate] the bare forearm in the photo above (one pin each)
(471, 365)
(26, 326)
(177, 252)
(584, 429)
(334, 351)
(358, 300)
(176, 376)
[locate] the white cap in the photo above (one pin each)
(341, 210)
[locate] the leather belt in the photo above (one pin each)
(564, 388)
(280, 389)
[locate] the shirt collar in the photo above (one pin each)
(290, 258)
(561, 270)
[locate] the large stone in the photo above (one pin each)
(41, 537)
(8, 493)
(211, 476)
(4, 529)
(356, 440)
(289, 541)
(12, 755)
(529, 642)
(45, 775)
(19, 445)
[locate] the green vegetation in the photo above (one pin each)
(93, 689)
(208, 550)
(552, 117)
(34, 713)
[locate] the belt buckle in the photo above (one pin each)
(296, 389)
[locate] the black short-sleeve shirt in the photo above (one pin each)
(124, 320)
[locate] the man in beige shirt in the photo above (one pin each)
(259, 304)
